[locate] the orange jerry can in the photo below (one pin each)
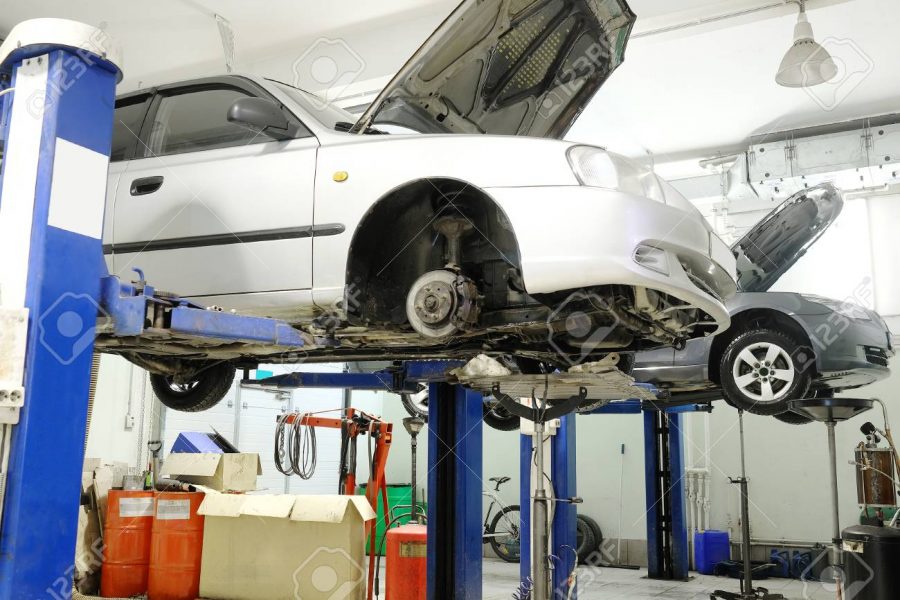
(177, 543)
(126, 535)
(406, 569)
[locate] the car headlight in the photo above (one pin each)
(595, 167)
(843, 308)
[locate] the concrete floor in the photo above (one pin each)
(500, 579)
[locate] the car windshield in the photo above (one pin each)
(317, 107)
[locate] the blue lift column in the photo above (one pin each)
(667, 536)
(57, 132)
(455, 418)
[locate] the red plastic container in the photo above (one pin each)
(406, 568)
(176, 547)
(126, 533)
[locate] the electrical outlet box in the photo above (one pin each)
(129, 422)
(13, 339)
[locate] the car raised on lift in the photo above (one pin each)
(478, 231)
(781, 346)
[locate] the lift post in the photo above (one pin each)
(57, 132)
(455, 418)
(667, 536)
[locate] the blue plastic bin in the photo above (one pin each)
(710, 547)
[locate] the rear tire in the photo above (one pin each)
(199, 394)
(509, 521)
(792, 418)
(416, 404)
(497, 417)
(759, 373)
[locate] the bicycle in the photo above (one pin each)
(503, 532)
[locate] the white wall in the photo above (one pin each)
(122, 389)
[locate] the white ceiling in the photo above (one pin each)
(695, 91)
(181, 38)
(710, 89)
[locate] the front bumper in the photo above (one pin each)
(849, 352)
(573, 237)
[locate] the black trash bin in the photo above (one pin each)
(871, 558)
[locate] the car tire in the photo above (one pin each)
(200, 394)
(598, 533)
(595, 526)
(747, 372)
(585, 541)
(416, 404)
(792, 418)
(497, 417)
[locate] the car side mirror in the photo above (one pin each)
(262, 114)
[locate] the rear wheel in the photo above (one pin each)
(497, 417)
(505, 532)
(759, 373)
(793, 418)
(416, 404)
(202, 392)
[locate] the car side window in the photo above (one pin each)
(129, 115)
(197, 120)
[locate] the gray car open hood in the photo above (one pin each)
(783, 236)
(514, 67)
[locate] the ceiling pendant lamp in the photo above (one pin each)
(806, 63)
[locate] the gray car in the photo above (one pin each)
(781, 345)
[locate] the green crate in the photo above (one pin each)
(398, 494)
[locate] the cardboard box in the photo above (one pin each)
(284, 547)
(220, 472)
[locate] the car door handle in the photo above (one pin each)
(146, 185)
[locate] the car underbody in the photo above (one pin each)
(585, 326)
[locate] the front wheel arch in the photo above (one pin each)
(393, 244)
(748, 320)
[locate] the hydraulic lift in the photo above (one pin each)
(58, 82)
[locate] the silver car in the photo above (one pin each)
(484, 232)
(781, 345)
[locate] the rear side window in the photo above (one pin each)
(197, 120)
(129, 116)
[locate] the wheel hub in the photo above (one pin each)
(441, 303)
(434, 302)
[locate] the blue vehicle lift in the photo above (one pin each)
(54, 286)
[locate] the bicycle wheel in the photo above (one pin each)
(504, 534)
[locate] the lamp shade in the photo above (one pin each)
(806, 63)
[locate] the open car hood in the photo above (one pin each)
(774, 244)
(513, 67)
